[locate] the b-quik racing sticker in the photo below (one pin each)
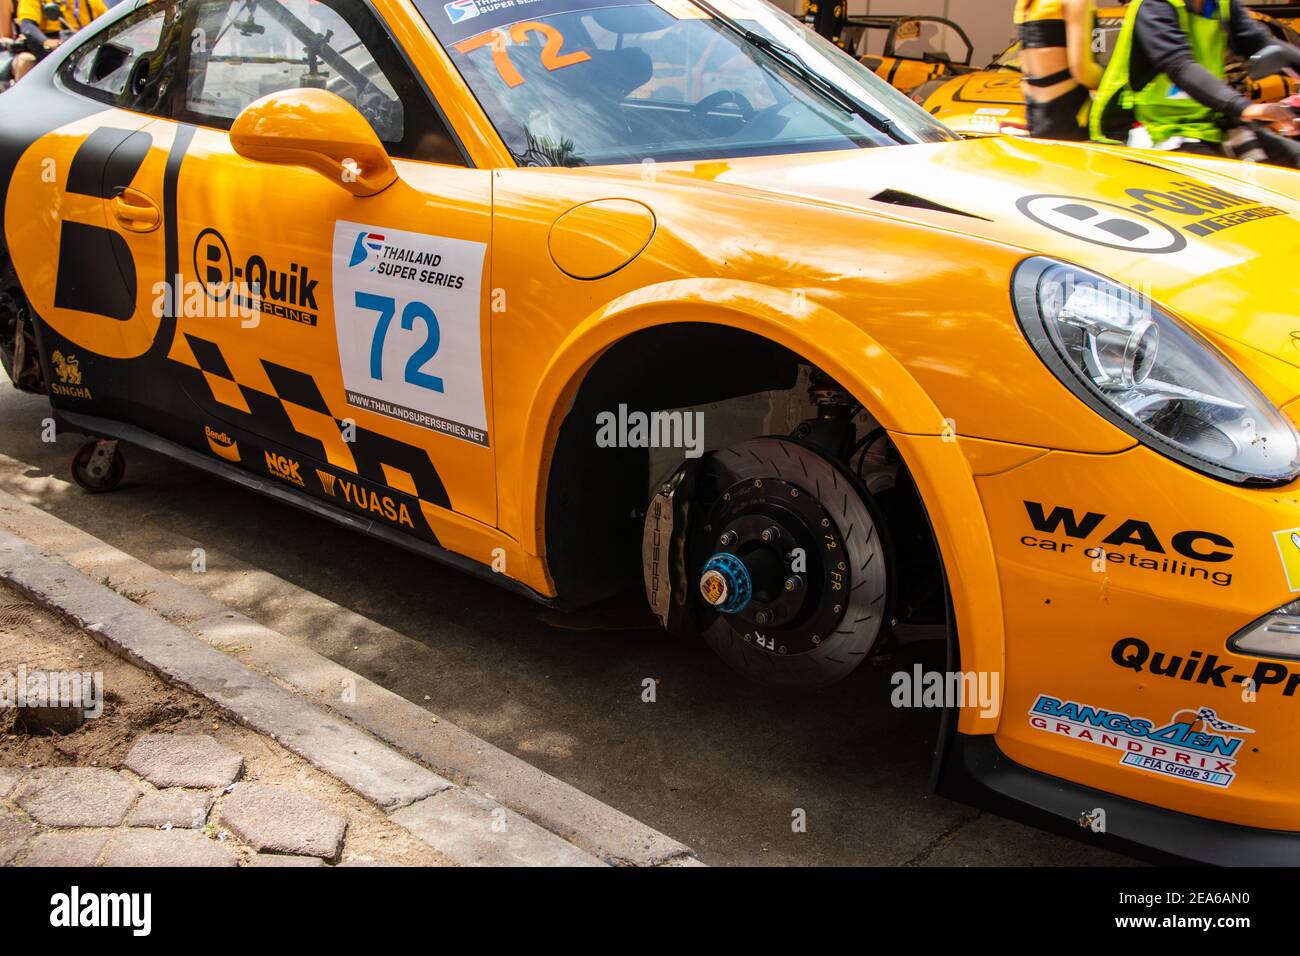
(1147, 221)
(406, 313)
(1194, 744)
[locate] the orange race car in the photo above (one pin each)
(904, 50)
(990, 101)
(596, 297)
(1287, 14)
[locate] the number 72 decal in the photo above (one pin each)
(551, 57)
(407, 314)
(387, 308)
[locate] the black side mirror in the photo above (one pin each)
(1274, 59)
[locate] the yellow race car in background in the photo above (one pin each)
(1287, 14)
(990, 101)
(591, 296)
(913, 49)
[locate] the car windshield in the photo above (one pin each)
(594, 82)
(1008, 59)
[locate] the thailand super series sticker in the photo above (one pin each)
(406, 312)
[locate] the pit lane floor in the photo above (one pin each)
(715, 761)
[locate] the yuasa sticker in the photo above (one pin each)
(1195, 744)
(407, 317)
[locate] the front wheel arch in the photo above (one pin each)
(791, 332)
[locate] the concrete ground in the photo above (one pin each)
(715, 761)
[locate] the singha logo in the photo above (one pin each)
(68, 369)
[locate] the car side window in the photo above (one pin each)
(244, 50)
(133, 64)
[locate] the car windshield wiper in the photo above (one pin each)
(796, 65)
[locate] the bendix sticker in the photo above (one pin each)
(407, 317)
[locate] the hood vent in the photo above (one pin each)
(1150, 165)
(897, 198)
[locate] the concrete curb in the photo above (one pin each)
(455, 754)
(375, 771)
(450, 750)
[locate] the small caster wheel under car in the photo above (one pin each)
(98, 466)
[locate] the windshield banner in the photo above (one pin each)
(456, 20)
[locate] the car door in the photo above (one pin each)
(83, 223)
(340, 342)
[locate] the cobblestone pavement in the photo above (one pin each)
(162, 779)
(83, 816)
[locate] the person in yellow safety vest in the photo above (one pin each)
(43, 34)
(1167, 75)
(1059, 69)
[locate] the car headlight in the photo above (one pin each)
(1153, 376)
(1276, 634)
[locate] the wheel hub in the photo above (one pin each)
(778, 574)
(726, 583)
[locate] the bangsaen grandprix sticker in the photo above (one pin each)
(407, 317)
(1175, 749)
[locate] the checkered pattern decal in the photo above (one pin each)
(296, 416)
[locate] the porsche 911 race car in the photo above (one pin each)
(990, 101)
(586, 296)
(904, 50)
(913, 49)
(1287, 14)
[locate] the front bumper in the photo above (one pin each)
(977, 772)
(1122, 577)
